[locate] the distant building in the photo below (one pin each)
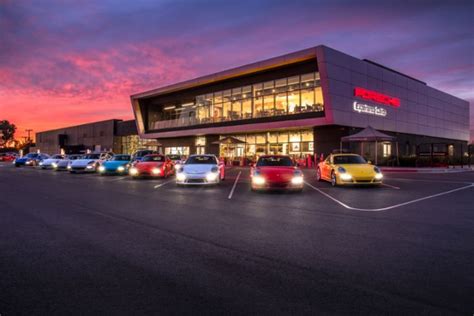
(110, 135)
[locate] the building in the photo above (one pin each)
(110, 135)
(302, 103)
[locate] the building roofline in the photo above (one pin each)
(274, 62)
(79, 125)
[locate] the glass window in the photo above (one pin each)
(293, 83)
(307, 136)
(280, 85)
(307, 100)
(226, 109)
(293, 101)
(387, 150)
(281, 104)
(272, 137)
(218, 97)
(258, 107)
(268, 104)
(236, 94)
(236, 110)
(283, 137)
(257, 90)
(307, 80)
(260, 139)
(318, 95)
(246, 92)
(247, 108)
(218, 112)
(200, 141)
(268, 87)
(295, 137)
(226, 95)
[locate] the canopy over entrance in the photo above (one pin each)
(369, 134)
(229, 140)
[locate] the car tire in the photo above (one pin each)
(318, 175)
(333, 179)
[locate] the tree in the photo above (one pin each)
(7, 130)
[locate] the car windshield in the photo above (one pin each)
(201, 160)
(92, 156)
(153, 158)
(143, 153)
(75, 157)
(57, 157)
(174, 157)
(351, 159)
(121, 158)
(274, 162)
(31, 155)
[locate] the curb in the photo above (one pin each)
(423, 170)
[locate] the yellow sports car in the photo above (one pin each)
(340, 169)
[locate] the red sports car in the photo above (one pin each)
(276, 172)
(9, 157)
(153, 165)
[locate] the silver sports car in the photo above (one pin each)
(200, 170)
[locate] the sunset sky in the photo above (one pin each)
(72, 62)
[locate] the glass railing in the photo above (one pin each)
(233, 116)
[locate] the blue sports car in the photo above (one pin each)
(31, 159)
(119, 164)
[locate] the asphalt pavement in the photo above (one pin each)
(90, 244)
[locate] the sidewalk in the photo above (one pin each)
(451, 169)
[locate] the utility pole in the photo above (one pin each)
(29, 131)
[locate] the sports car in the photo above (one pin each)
(177, 160)
(342, 169)
(154, 165)
(31, 159)
(48, 163)
(88, 163)
(62, 164)
(276, 172)
(119, 164)
(200, 170)
(8, 157)
(139, 154)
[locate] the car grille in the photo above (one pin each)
(196, 181)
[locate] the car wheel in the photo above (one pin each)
(318, 174)
(333, 179)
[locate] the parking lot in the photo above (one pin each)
(84, 243)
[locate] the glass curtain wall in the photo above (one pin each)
(285, 96)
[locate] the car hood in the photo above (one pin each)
(50, 161)
(114, 164)
(82, 162)
(277, 173)
(198, 169)
(147, 165)
(359, 169)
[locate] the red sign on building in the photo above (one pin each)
(376, 97)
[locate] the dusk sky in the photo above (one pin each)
(72, 62)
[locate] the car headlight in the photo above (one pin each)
(345, 176)
(121, 169)
(178, 168)
(155, 171)
(211, 176)
(341, 170)
(55, 165)
(101, 169)
(378, 176)
(69, 167)
(89, 167)
(28, 162)
(181, 177)
(258, 180)
(41, 163)
(133, 171)
(297, 180)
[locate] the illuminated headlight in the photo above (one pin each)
(181, 177)
(297, 180)
(41, 163)
(101, 169)
(258, 180)
(69, 167)
(133, 171)
(121, 169)
(345, 176)
(211, 176)
(378, 176)
(177, 167)
(55, 165)
(155, 171)
(28, 162)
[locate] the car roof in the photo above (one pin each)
(345, 155)
(266, 156)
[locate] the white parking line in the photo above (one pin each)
(433, 180)
(390, 186)
(388, 207)
(233, 187)
(162, 184)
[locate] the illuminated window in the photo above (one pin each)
(247, 108)
(387, 149)
(268, 104)
(281, 104)
(293, 101)
(200, 141)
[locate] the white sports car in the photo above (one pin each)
(51, 162)
(88, 163)
(64, 163)
(200, 170)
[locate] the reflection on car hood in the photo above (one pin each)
(358, 169)
(50, 161)
(198, 168)
(82, 162)
(114, 164)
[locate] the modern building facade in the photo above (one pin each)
(110, 135)
(299, 104)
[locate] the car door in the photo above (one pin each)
(327, 167)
